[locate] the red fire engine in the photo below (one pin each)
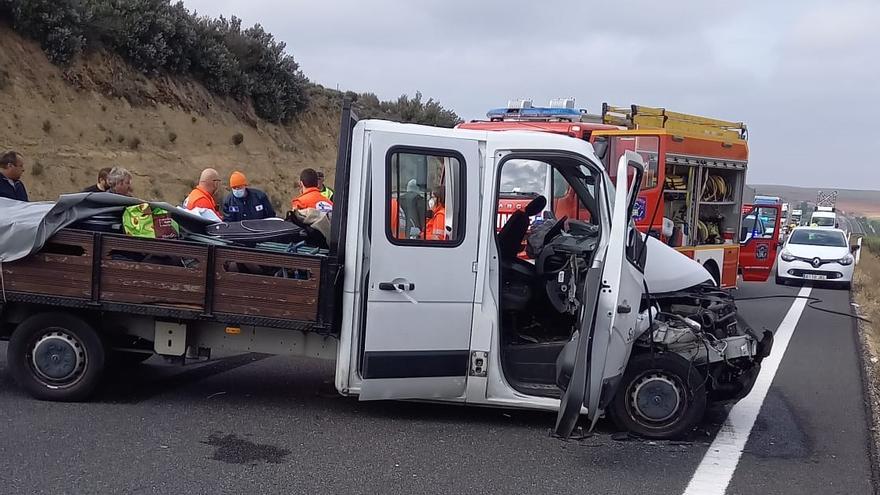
(692, 190)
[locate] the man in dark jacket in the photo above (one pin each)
(245, 203)
(11, 170)
(101, 185)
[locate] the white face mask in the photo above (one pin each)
(239, 193)
(432, 203)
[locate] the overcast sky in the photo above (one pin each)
(804, 75)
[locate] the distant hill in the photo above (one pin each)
(859, 202)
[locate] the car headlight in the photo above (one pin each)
(846, 260)
(786, 256)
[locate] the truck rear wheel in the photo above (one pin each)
(56, 356)
(660, 396)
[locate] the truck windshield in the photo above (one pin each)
(823, 221)
(818, 238)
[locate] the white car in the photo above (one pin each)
(812, 253)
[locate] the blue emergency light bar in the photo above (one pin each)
(767, 200)
(534, 113)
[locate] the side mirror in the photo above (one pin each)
(854, 248)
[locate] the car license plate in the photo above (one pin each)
(814, 276)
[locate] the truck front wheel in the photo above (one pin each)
(661, 396)
(56, 356)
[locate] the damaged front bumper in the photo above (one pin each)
(702, 325)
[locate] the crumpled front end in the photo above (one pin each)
(702, 325)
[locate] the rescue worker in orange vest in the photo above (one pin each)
(435, 228)
(203, 195)
(394, 209)
(311, 196)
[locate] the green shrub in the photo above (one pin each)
(58, 25)
(152, 34)
(157, 36)
(406, 109)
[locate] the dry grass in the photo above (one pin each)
(867, 294)
(866, 291)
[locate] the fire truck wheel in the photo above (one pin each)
(661, 396)
(56, 356)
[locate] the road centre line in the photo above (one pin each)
(715, 471)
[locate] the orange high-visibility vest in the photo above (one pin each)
(199, 198)
(312, 198)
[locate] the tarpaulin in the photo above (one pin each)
(25, 227)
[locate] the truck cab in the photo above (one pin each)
(460, 317)
(824, 217)
(445, 317)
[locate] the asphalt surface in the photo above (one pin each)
(263, 424)
(852, 225)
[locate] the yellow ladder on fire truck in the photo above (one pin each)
(642, 117)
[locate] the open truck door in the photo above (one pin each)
(592, 364)
(759, 241)
(423, 224)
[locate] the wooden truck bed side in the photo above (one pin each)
(176, 279)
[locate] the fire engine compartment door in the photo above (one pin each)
(601, 348)
(759, 241)
(421, 281)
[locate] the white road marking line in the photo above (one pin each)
(716, 469)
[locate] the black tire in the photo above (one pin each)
(56, 356)
(677, 380)
(780, 280)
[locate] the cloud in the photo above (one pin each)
(803, 76)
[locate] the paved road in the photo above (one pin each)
(852, 225)
(270, 424)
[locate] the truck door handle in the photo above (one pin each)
(623, 309)
(392, 286)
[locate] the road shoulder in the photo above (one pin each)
(866, 302)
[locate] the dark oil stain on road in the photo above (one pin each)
(234, 450)
(778, 432)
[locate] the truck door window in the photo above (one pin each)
(758, 223)
(524, 180)
(646, 146)
(424, 197)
